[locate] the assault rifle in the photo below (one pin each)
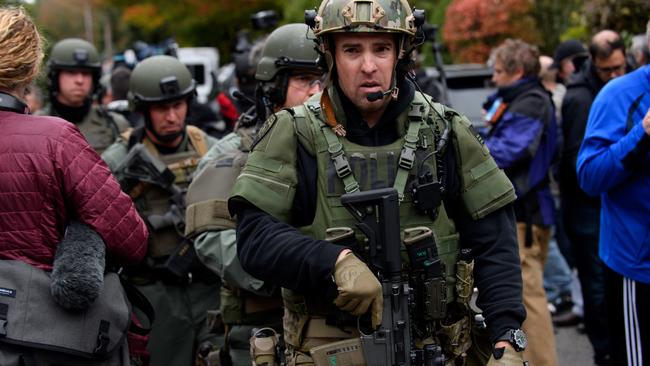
(141, 168)
(392, 344)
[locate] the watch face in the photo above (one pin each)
(519, 338)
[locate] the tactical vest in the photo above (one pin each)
(100, 127)
(372, 167)
(153, 200)
(208, 195)
(207, 210)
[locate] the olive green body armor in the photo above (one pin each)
(156, 201)
(100, 127)
(244, 299)
(269, 181)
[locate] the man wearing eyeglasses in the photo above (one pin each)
(613, 162)
(582, 211)
(287, 74)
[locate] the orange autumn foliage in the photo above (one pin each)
(473, 27)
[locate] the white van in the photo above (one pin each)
(203, 63)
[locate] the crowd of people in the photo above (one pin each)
(241, 243)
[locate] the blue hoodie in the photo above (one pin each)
(614, 162)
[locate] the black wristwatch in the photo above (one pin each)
(516, 337)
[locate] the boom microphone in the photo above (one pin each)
(374, 96)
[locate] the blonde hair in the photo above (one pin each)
(22, 49)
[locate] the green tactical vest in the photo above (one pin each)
(374, 167)
(269, 181)
(100, 127)
(208, 194)
(155, 200)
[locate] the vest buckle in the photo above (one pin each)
(341, 165)
(406, 158)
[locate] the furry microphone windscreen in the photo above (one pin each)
(78, 270)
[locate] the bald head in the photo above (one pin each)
(604, 43)
(608, 55)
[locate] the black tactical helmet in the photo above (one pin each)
(160, 79)
(73, 54)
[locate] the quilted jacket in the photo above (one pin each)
(49, 175)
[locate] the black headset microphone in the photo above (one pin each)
(374, 96)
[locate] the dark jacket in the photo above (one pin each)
(522, 140)
(49, 175)
(581, 92)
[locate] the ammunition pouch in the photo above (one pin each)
(347, 352)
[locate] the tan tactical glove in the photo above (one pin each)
(510, 357)
(358, 288)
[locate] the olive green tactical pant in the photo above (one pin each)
(180, 324)
(541, 339)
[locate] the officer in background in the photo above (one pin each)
(154, 163)
(74, 70)
(360, 134)
(287, 75)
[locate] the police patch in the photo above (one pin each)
(266, 127)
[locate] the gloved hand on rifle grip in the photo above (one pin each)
(359, 289)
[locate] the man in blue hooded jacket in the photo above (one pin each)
(614, 162)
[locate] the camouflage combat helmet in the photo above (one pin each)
(160, 79)
(73, 53)
(368, 16)
(289, 47)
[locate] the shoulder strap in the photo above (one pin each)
(340, 160)
(407, 156)
(197, 137)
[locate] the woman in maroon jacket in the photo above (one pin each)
(49, 175)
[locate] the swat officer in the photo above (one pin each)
(179, 288)
(287, 75)
(360, 134)
(74, 70)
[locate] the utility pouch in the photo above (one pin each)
(347, 352)
(456, 337)
(429, 272)
(464, 279)
(264, 347)
(30, 318)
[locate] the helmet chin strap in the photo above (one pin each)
(148, 123)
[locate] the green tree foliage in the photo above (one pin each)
(555, 18)
(191, 22)
(624, 16)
